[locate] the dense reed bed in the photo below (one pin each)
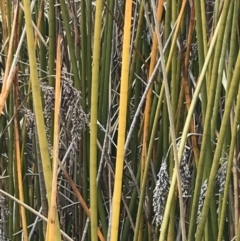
(119, 120)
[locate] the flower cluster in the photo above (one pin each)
(30, 121)
(73, 119)
(3, 218)
(221, 177)
(160, 193)
(75, 116)
(201, 199)
(49, 98)
(185, 173)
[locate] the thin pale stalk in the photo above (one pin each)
(10, 182)
(136, 68)
(93, 124)
(20, 181)
(52, 43)
(201, 51)
(6, 85)
(5, 34)
(174, 84)
(84, 80)
(53, 205)
(89, 47)
(65, 16)
(137, 40)
(19, 165)
(106, 73)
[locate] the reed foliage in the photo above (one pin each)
(119, 120)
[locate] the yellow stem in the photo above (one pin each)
(122, 123)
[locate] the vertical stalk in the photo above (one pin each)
(93, 124)
(19, 165)
(65, 16)
(53, 205)
(52, 43)
(38, 109)
(122, 123)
